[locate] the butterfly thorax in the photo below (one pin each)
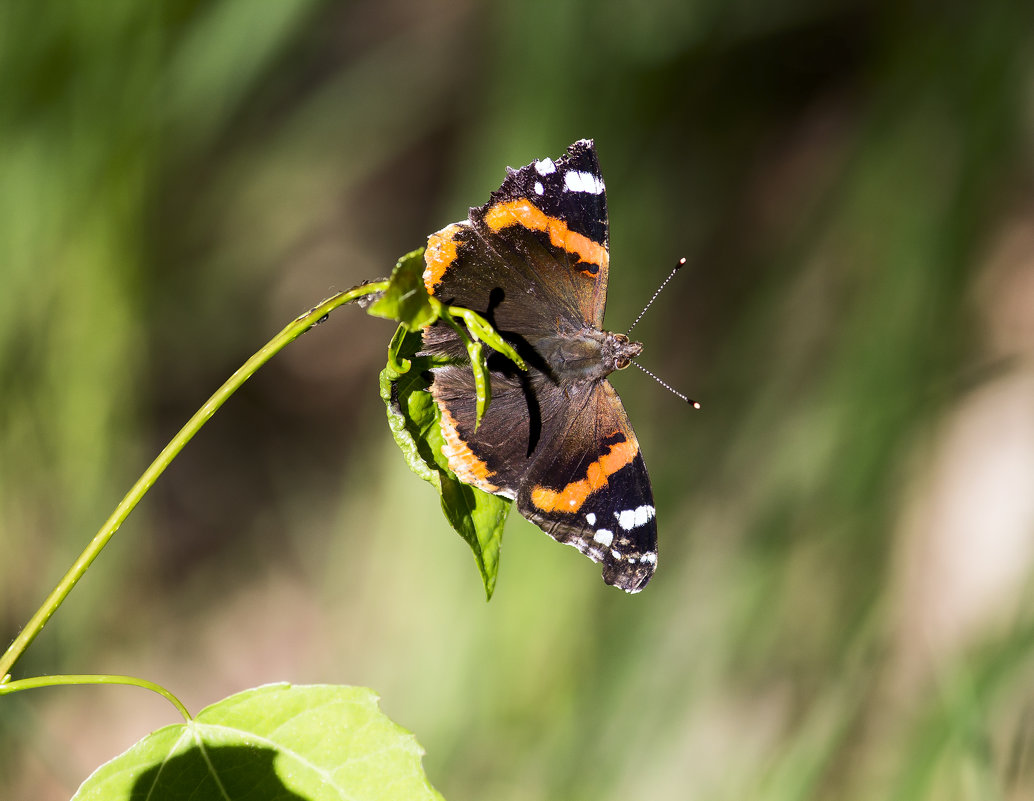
(587, 355)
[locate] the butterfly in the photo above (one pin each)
(556, 439)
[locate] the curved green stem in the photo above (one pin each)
(57, 681)
(294, 330)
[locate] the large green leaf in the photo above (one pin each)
(317, 743)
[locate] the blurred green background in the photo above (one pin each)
(843, 605)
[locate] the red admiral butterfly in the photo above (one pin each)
(556, 439)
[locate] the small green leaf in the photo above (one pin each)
(478, 517)
(406, 299)
(413, 418)
(480, 329)
(398, 363)
(482, 387)
(412, 414)
(310, 743)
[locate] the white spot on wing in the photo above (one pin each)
(604, 537)
(643, 515)
(650, 557)
(545, 167)
(591, 518)
(539, 189)
(577, 181)
(629, 519)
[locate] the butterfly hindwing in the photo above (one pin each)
(495, 455)
(589, 488)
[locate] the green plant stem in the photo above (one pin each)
(56, 681)
(294, 330)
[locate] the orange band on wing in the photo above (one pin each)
(462, 460)
(440, 253)
(502, 215)
(571, 497)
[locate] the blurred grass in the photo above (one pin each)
(179, 179)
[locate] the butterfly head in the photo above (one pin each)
(619, 350)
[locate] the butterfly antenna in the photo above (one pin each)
(668, 386)
(664, 283)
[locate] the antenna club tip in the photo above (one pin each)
(682, 263)
(694, 404)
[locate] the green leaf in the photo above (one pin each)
(412, 414)
(413, 417)
(310, 743)
(406, 298)
(480, 329)
(478, 517)
(482, 385)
